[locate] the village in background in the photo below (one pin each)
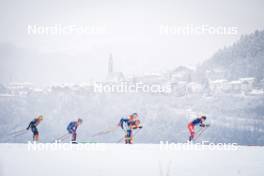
(228, 88)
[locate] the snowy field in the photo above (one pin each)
(128, 160)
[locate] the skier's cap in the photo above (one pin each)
(203, 117)
(80, 120)
(40, 117)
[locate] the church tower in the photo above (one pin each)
(110, 64)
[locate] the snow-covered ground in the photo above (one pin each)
(128, 160)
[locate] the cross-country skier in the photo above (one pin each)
(191, 126)
(72, 128)
(33, 126)
(129, 124)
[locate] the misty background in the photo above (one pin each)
(132, 35)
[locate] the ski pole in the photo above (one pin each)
(124, 137)
(19, 134)
(62, 138)
(105, 132)
(16, 132)
(14, 135)
(200, 133)
(120, 140)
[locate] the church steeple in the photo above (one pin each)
(110, 64)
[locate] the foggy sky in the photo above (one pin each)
(132, 36)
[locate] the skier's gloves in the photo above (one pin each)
(140, 127)
(207, 125)
(202, 125)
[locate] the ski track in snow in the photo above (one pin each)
(130, 160)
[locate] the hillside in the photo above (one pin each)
(245, 58)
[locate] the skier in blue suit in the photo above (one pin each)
(72, 128)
